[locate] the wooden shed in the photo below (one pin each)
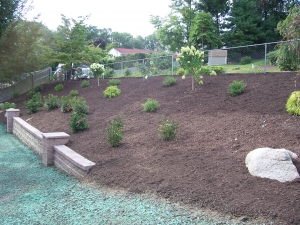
(217, 57)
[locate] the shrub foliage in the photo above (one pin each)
(112, 91)
(293, 103)
(167, 130)
(150, 105)
(236, 88)
(114, 131)
(169, 81)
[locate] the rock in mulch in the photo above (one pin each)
(271, 163)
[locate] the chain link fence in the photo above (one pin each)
(27, 83)
(259, 58)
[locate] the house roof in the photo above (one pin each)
(125, 51)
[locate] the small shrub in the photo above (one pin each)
(31, 93)
(112, 91)
(32, 106)
(167, 130)
(180, 71)
(272, 56)
(78, 123)
(150, 105)
(7, 105)
(218, 69)
(108, 73)
(65, 105)
(114, 131)
(59, 87)
(246, 60)
(213, 73)
(79, 106)
(293, 103)
(73, 93)
(127, 72)
(38, 88)
(85, 83)
(236, 88)
(113, 82)
(205, 70)
(51, 101)
(169, 81)
(37, 98)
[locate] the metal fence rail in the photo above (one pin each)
(232, 60)
(28, 83)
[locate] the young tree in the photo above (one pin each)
(204, 34)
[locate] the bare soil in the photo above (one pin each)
(204, 166)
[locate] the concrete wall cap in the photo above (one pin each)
(55, 135)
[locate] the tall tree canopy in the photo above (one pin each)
(204, 33)
(10, 10)
(243, 24)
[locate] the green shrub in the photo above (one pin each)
(127, 72)
(32, 106)
(31, 93)
(236, 88)
(112, 91)
(213, 73)
(272, 57)
(114, 82)
(108, 73)
(65, 105)
(246, 60)
(114, 131)
(85, 83)
(218, 69)
(7, 105)
(37, 98)
(205, 70)
(73, 93)
(38, 88)
(78, 123)
(167, 130)
(180, 71)
(79, 106)
(293, 103)
(169, 81)
(150, 105)
(59, 87)
(51, 101)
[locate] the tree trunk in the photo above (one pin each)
(193, 88)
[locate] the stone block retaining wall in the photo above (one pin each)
(49, 146)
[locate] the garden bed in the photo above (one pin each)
(204, 166)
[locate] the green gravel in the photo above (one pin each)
(33, 194)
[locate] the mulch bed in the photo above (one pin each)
(204, 166)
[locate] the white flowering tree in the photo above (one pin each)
(191, 60)
(98, 70)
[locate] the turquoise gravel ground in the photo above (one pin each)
(33, 194)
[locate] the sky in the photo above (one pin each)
(131, 16)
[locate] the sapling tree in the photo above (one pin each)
(191, 60)
(98, 70)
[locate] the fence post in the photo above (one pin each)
(265, 67)
(172, 58)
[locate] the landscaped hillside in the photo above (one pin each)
(204, 166)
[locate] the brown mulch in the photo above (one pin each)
(204, 166)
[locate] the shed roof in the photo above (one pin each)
(218, 53)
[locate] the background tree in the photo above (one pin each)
(217, 8)
(22, 47)
(243, 24)
(10, 10)
(204, 33)
(288, 54)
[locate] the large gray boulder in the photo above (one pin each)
(271, 163)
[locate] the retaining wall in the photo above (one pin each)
(49, 146)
